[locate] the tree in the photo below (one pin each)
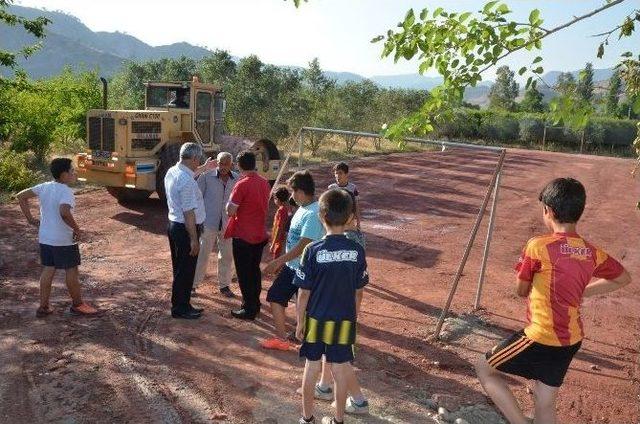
(315, 79)
(264, 100)
(613, 94)
(630, 74)
(49, 112)
(532, 101)
(504, 91)
(127, 86)
(36, 27)
(319, 92)
(356, 100)
(565, 84)
(218, 68)
(585, 83)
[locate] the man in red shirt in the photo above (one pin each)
(247, 210)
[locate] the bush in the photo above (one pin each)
(617, 131)
(463, 124)
(594, 133)
(499, 127)
(14, 173)
(531, 130)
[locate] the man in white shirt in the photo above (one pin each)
(186, 215)
(58, 234)
(216, 186)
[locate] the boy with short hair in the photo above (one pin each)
(352, 229)
(305, 227)
(331, 278)
(58, 234)
(280, 222)
(341, 175)
(555, 273)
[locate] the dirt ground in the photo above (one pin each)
(136, 364)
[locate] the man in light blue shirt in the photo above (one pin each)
(216, 187)
(305, 228)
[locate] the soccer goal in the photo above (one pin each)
(296, 148)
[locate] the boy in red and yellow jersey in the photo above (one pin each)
(555, 272)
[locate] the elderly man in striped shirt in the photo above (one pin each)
(216, 186)
(186, 215)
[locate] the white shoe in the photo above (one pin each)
(351, 407)
(318, 393)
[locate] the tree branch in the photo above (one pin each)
(525, 24)
(556, 29)
(607, 34)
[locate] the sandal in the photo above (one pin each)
(43, 312)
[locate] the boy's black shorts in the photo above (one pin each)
(519, 355)
(60, 257)
(282, 288)
(335, 354)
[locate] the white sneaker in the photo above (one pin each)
(319, 393)
(351, 407)
(328, 420)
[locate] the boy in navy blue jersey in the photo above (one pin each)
(331, 278)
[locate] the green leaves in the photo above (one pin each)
(487, 7)
(504, 9)
(409, 19)
(627, 28)
(534, 17)
(636, 107)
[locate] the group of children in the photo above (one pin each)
(555, 272)
(319, 254)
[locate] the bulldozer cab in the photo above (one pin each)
(196, 101)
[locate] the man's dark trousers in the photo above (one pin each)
(184, 267)
(247, 257)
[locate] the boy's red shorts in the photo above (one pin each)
(519, 355)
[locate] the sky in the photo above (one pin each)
(338, 32)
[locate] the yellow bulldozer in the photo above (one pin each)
(130, 151)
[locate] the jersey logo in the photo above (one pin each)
(325, 256)
(565, 249)
(300, 274)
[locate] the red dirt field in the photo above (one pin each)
(136, 364)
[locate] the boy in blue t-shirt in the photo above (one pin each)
(331, 278)
(305, 228)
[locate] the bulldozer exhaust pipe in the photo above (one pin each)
(104, 93)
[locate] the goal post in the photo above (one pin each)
(491, 192)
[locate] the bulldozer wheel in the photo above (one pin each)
(168, 157)
(128, 195)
